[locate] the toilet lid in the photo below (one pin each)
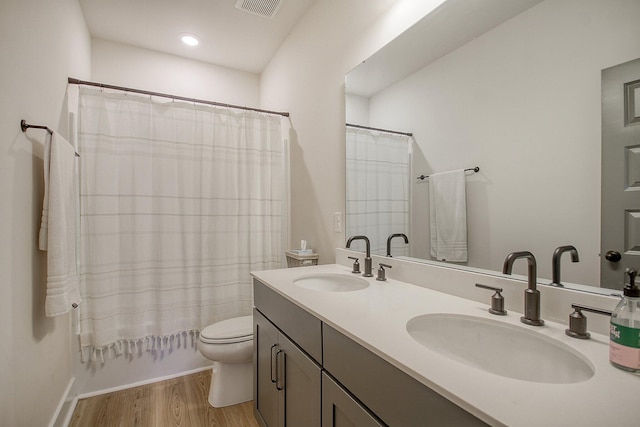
(231, 330)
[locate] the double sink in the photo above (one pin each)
(489, 345)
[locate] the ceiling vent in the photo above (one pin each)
(263, 8)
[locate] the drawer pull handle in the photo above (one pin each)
(280, 379)
(274, 375)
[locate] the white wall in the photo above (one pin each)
(523, 103)
(306, 78)
(129, 66)
(41, 44)
(357, 109)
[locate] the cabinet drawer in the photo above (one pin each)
(301, 327)
(395, 397)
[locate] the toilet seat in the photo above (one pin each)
(238, 329)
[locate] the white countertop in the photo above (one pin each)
(376, 318)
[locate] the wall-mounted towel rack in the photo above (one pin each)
(24, 126)
(476, 169)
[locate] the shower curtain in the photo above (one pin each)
(178, 202)
(378, 188)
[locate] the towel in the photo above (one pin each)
(448, 216)
(58, 226)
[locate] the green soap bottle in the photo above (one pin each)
(624, 331)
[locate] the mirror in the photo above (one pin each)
(515, 89)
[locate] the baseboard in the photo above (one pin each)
(139, 383)
(64, 410)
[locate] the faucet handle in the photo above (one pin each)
(381, 274)
(356, 264)
(578, 321)
(497, 300)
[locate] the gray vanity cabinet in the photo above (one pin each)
(306, 372)
(339, 409)
(287, 381)
(395, 397)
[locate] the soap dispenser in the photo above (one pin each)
(624, 331)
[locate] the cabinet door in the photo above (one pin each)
(341, 410)
(265, 347)
(300, 383)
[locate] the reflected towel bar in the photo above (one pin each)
(476, 169)
(24, 126)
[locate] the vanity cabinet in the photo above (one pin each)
(307, 373)
(395, 397)
(287, 380)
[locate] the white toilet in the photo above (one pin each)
(229, 344)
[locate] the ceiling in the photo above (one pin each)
(228, 36)
(450, 26)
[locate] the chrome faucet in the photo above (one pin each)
(531, 294)
(555, 263)
(391, 236)
(367, 259)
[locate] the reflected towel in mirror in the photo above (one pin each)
(448, 216)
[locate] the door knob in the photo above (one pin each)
(613, 256)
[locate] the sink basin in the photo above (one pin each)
(500, 348)
(331, 282)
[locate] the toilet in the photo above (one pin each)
(229, 344)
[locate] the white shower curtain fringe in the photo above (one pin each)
(150, 343)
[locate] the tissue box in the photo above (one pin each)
(301, 258)
(301, 251)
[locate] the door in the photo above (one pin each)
(265, 394)
(300, 377)
(286, 380)
(339, 409)
(620, 220)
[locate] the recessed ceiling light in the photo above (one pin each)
(189, 40)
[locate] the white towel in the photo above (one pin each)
(448, 216)
(58, 226)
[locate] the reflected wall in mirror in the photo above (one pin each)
(515, 88)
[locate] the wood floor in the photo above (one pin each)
(175, 402)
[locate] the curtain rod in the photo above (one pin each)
(380, 130)
(476, 169)
(178, 98)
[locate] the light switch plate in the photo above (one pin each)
(337, 222)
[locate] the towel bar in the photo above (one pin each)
(476, 169)
(24, 126)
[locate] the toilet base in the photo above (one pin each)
(231, 383)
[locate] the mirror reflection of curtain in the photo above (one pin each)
(378, 188)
